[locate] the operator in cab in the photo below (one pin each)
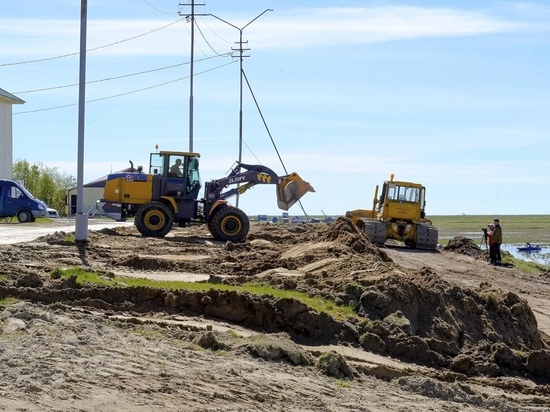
(175, 169)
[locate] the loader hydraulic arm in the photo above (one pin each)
(248, 175)
(290, 188)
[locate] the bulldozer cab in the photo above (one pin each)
(402, 200)
(179, 172)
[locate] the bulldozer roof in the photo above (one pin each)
(169, 152)
(401, 183)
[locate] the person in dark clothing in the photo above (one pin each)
(492, 258)
(497, 241)
(175, 170)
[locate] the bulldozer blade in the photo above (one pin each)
(290, 189)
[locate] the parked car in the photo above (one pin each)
(52, 213)
(15, 200)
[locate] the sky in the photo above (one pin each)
(454, 95)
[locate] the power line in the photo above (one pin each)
(270, 136)
(159, 10)
(207, 42)
(263, 120)
(216, 34)
(195, 44)
(89, 50)
(116, 77)
(123, 94)
(251, 152)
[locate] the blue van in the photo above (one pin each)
(15, 200)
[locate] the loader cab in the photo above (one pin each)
(178, 173)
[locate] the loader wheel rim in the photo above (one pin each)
(154, 219)
(231, 225)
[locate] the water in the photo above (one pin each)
(541, 257)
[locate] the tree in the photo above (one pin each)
(46, 183)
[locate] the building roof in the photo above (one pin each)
(9, 98)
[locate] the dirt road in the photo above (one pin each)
(431, 331)
(15, 233)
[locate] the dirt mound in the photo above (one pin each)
(465, 246)
(410, 314)
(419, 316)
(56, 237)
(280, 234)
(343, 231)
(264, 313)
(334, 364)
(70, 358)
(277, 348)
(119, 231)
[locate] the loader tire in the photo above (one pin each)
(154, 219)
(229, 224)
(210, 223)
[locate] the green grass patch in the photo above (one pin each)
(152, 334)
(8, 301)
(516, 229)
(523, 265)
(69, 238)
(41, 220)
(343, 383)
(84, 276)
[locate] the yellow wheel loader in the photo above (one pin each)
(169, 194)
(397, 214)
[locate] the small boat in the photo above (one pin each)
(529, 248)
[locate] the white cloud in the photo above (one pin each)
(338, 26)
(294, 29)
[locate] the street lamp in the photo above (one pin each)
(241, 79)
(191, 67)
(81, 221)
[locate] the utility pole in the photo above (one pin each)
(81, 221)
(241, 49)
(191, 17)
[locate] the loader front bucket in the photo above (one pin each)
(290, 189)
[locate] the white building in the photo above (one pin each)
(91, 192)
(7, 100)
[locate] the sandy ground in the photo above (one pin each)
(436, 331)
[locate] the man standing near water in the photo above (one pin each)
(497, 241)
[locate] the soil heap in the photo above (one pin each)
(400, 313)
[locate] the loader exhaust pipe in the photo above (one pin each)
(290, 189)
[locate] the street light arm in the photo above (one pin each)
(257, 17)
(226, 22)
(247, 24)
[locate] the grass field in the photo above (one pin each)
(515, 228)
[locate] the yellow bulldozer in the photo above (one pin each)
(399, 214)
(169, 194)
